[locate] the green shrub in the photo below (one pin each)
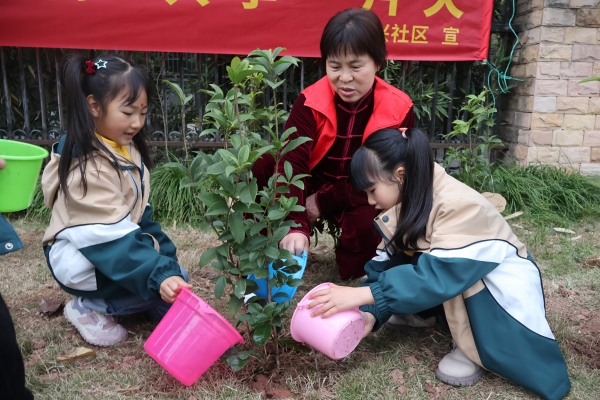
(548, 194)
(171, 202)
(37, 210)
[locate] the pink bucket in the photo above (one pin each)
(190, 338)
(335, 336)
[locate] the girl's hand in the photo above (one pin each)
(295, 242)
(339, 298)
(369, 322)
(170, 288)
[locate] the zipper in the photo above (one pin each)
(137, 191)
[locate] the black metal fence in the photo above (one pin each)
(33, 109)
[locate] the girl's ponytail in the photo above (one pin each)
(417, 191)
(80, 139)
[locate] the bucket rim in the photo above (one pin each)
(43, 152)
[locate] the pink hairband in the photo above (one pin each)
(403, 130)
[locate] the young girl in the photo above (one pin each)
(102, 245)
(460, 252)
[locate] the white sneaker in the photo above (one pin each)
(458, 370)
(96, 328)
(398, 322)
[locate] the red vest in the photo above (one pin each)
(390, 109)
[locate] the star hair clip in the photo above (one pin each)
(100, 64)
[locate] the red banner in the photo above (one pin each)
(437, 30)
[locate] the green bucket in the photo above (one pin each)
(19, 177)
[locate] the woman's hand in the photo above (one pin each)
(170, 288)
(312, 209)
(369, 322)
(339, 298)
(295, 242)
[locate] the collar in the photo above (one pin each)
(122, 150)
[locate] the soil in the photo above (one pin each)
(573, 306)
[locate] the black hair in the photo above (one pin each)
(356, 31)
(105, 84)
(381, 154)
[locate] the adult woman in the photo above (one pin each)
(339, 112)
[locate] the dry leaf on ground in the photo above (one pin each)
(397, 376)
(564, 230)
(514, 215)
(49, 307)
(76, 354)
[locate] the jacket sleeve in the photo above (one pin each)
(118, 249)
(154, 230)
(9, 240)
(439, 275)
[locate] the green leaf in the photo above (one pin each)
(177, 90)
(217, 169)
(230, 169)
(217, 209)
(236, 362)
(257, 228)
(243, 154)
(239, 289)
(223, 250)
(256, 242)
(261, 335)
(245, 317)
(261, 318)
(261, 273)
(287, 167)
(220, 286)
(295, 282)
(236, 225)
(272, 252)
(210, 198)
(590, 79)
(292, 144)
(276, 214)
(254, 308)
(280, 233)
(207, 256)
(235, 304)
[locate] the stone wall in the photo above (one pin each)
(550, 117)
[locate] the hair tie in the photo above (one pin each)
(90, 67)
(403, 130)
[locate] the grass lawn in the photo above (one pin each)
(385, 365)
